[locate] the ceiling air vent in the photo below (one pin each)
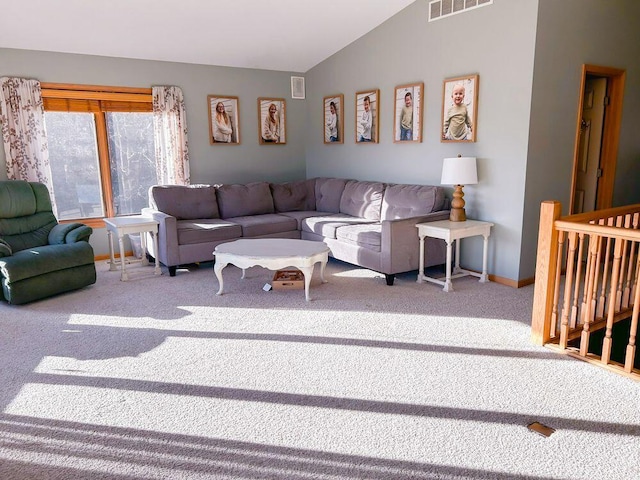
(443, 8)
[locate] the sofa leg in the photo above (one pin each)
(389, 279)
(172, 271)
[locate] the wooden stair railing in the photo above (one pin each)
(587, 271)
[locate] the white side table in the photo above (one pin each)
(450, 231)
(131, 224)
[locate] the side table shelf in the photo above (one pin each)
(449, 232)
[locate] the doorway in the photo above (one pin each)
(597, 135)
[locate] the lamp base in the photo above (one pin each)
(458, 215)
(457, 205)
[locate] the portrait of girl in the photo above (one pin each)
(223, 120)
(271, 116)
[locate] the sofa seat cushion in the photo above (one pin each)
(367, 236)
(362, 199)
(300, 216)
(259, 225)
(327, 225)
(206, 230)
(243, 200)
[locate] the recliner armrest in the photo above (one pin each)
(69, 233)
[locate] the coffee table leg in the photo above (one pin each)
(308, 273)
(217, 269)
(323, 263)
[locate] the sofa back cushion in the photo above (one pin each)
(294, 196)
(241, 200)
(362, 199)
(404, 201)
(328, 193)
(185, 202)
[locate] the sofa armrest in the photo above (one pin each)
(168, 252)
(400, 245)
(69, 233)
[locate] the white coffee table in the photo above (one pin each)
(131, 224)
(274, 254)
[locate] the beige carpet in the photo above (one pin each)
(159, 378)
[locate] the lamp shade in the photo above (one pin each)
(459, 171)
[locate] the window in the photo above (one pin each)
(101, 150)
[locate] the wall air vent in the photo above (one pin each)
(444, 8)
(297, 87)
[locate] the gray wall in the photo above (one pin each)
(572, 33)
(496, 42)
(209, 164)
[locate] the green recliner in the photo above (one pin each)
(38, 256)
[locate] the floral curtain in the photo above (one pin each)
(23, 131)
(170, 132)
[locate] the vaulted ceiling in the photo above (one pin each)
(286, 35)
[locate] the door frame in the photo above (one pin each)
(610, 133)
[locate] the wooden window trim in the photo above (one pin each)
(93, 88)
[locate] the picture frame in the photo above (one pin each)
(367, 116)
(407, 113)
(224, 126)
(272, 126)
(464, 114)
(333, 118)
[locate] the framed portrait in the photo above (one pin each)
(459, 109)
(407, 113)
(224, 120)
(367, 116)
(272, 120)
(333, 115)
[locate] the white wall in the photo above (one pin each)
(496, 42)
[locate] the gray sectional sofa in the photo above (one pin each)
(369, 224)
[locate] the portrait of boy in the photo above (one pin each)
(367, 115)
(407, 122)
(333, 119)
(459, 107)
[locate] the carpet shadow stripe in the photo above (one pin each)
(337, 403)
(244, 457)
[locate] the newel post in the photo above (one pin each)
(545, 273)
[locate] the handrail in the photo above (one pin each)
(591, 229)
(587, 280)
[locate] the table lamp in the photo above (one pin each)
(459, 171)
